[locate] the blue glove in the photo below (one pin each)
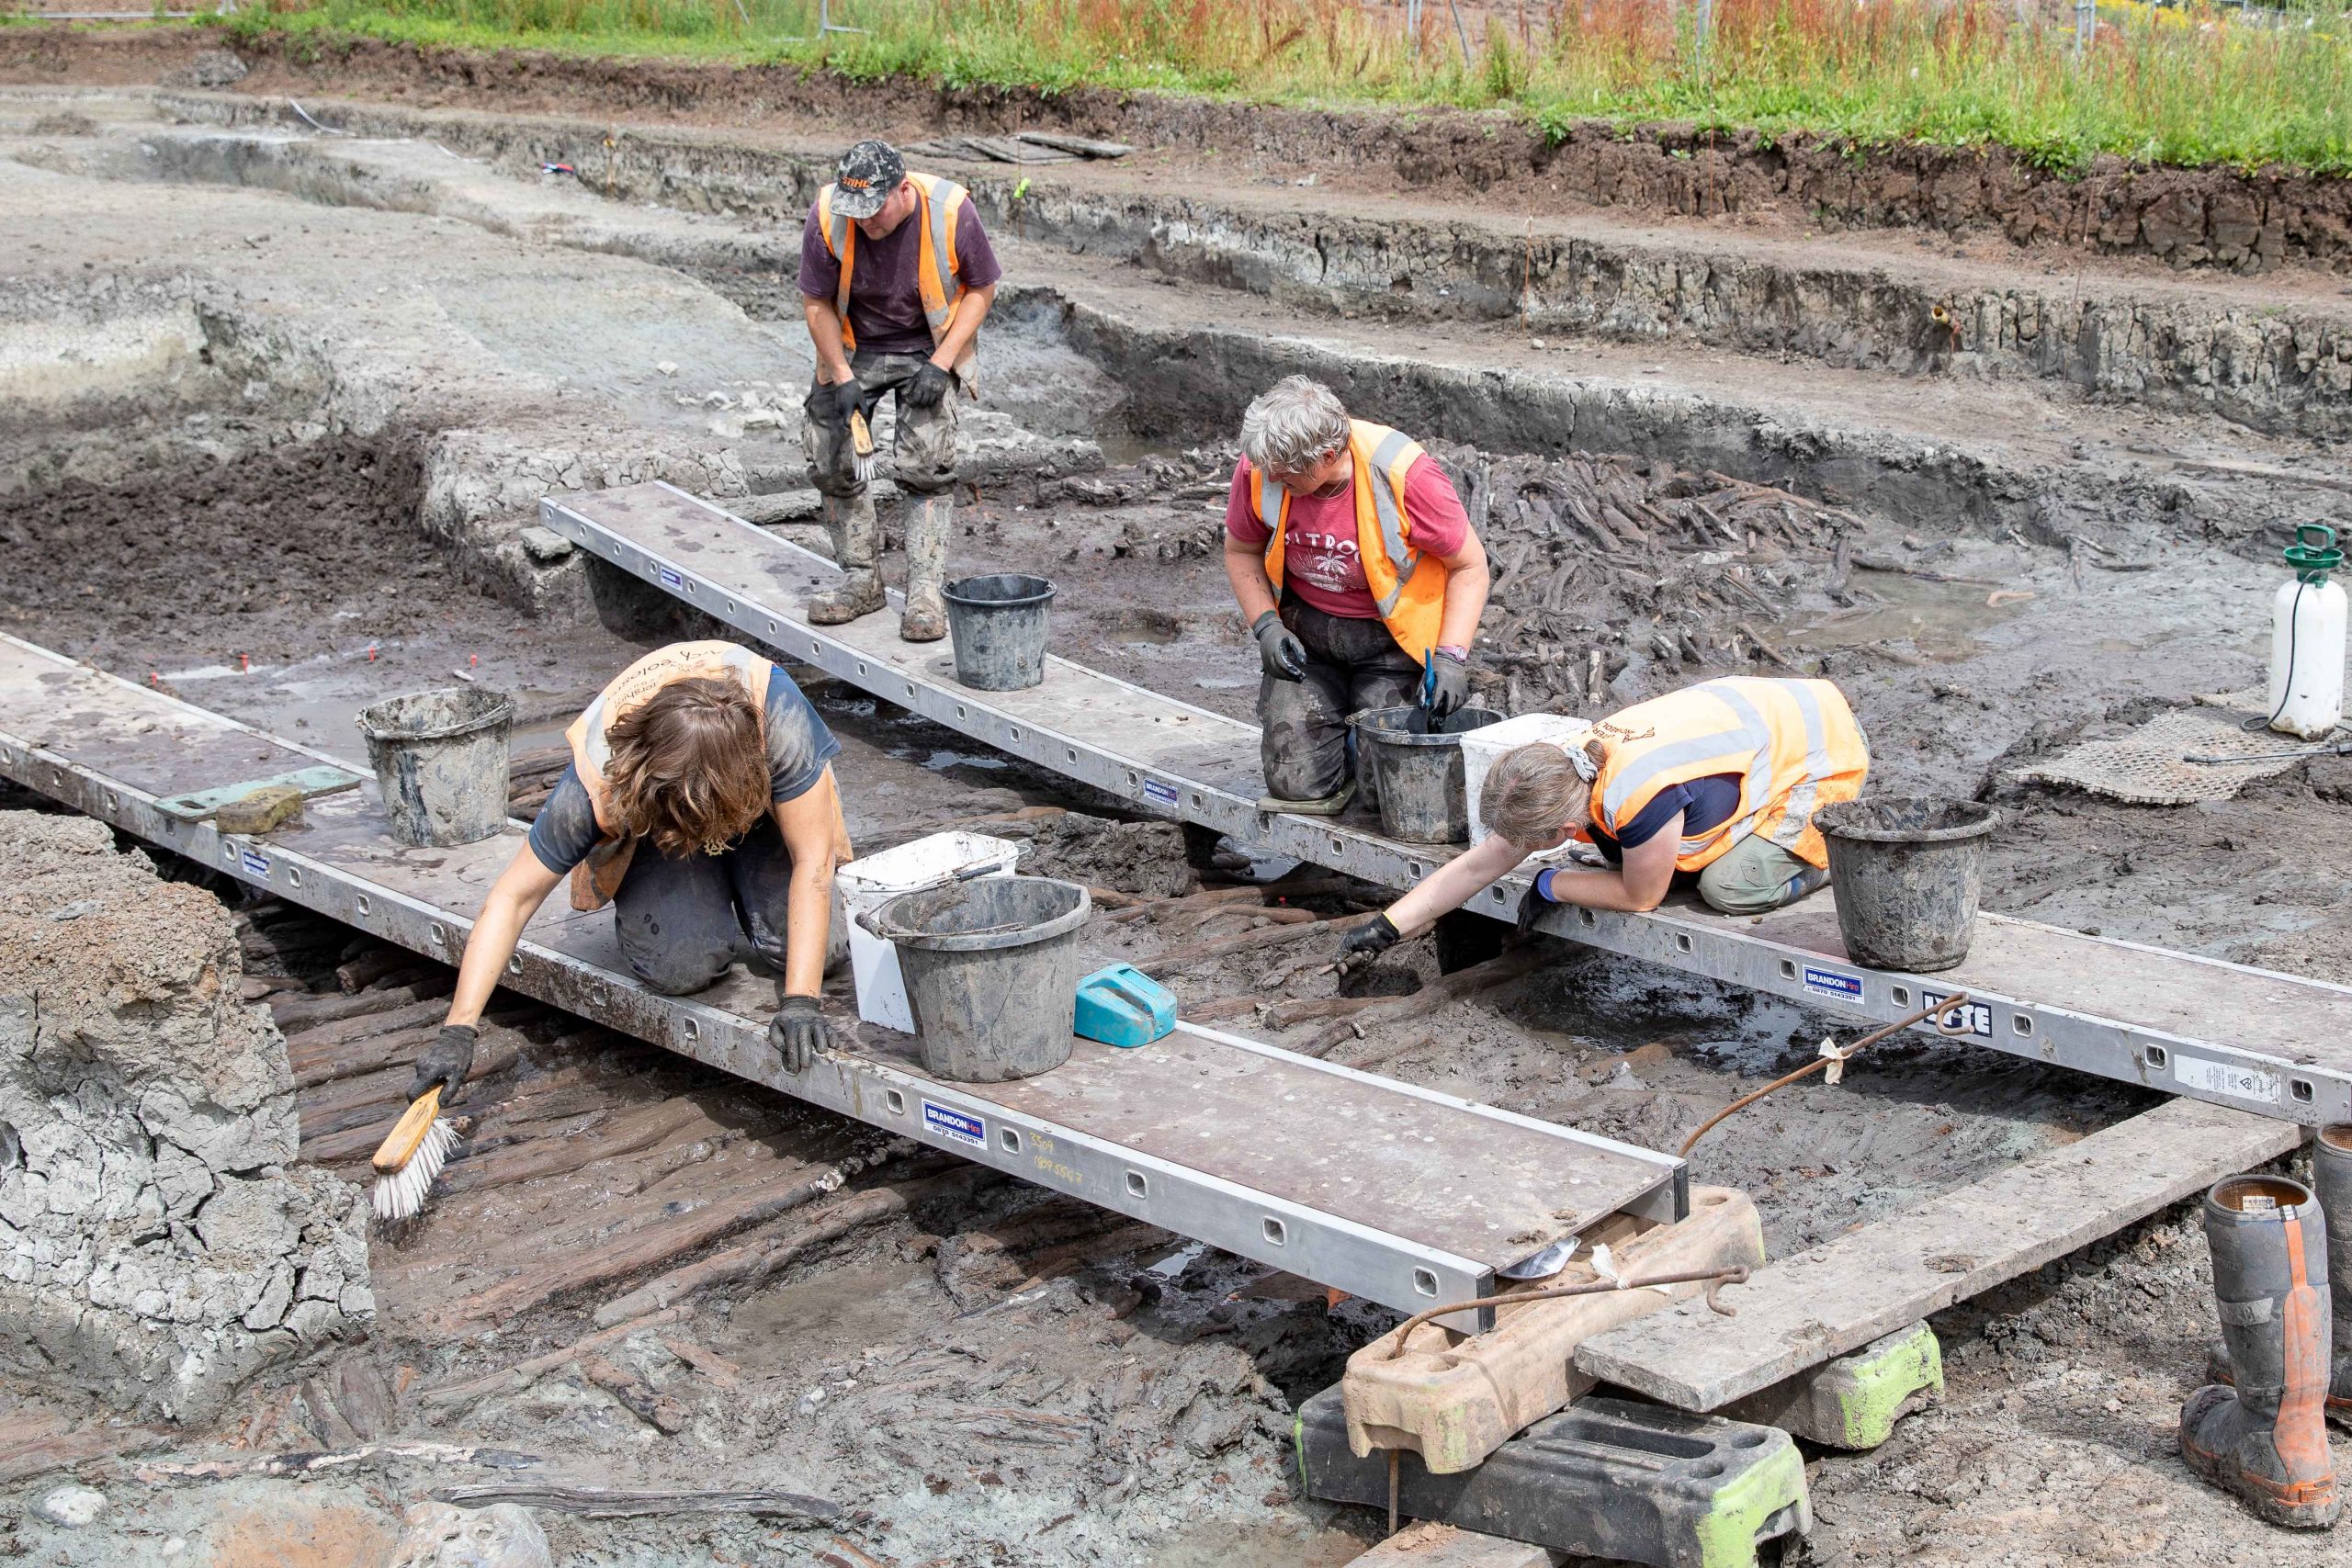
(1533, 902)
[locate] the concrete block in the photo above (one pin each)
(1604, 1478)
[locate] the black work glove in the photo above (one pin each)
(1534, 901)
(1278, 648)
(445, 1062)
(1367, 942)
(930, 387)
(1453, 687)
(798, 1033)
(831, 403)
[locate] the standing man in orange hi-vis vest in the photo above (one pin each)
(1357, 570)
(699, 803)
(896, 276)
(1718, 781)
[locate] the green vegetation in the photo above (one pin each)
(2167, 86)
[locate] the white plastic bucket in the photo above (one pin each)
(868, 883)
(1482, 748)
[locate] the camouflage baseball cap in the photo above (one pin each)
(869, 172)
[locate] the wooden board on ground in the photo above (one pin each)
(1427, 1545)
(1839, 1296)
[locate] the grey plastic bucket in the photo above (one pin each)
(1908, 870)
(991, 970)
(1418, 778)
(440, 760)
(998, 623)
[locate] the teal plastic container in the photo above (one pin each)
(1124, 1006)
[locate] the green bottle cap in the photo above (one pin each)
(2314, 553)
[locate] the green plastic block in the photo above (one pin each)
(1855, 1401)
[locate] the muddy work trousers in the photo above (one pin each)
(1351, 665)
(922, 451)
(682, 921)
(1755, 875)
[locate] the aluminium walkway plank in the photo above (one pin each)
(2273, 1043)
(1403, 1195)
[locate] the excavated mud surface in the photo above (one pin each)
(295, 549)
(2202, 218)
(984, 1374)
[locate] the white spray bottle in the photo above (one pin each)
(2307, 638)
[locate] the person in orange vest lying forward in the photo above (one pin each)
(1720, 780)
(1355, 566)
(700, 804)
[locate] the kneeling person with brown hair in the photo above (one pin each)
(700, 804)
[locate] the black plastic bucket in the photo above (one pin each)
(1418, 777)
(440, 760)
(998, 623)
(991, 968)
(1908, 870)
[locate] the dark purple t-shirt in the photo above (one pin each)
(885, 298)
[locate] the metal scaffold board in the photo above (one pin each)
(1401, 1195)
(2277, 1045)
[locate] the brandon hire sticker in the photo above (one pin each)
(955, 1126)
(1835, 984)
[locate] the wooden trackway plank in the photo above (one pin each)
(1431, 1545)
(1841, 1295)
(1382, 1186)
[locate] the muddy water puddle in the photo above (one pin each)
(1943, 621)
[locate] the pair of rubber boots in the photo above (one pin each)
(857, 539)
(2282, 1280)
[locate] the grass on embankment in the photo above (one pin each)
(2173, 86)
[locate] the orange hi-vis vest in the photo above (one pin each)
(1794, 746)
(938, 203)
(1407, 585)
(597, 878)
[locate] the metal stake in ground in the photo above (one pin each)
(1943, 1012)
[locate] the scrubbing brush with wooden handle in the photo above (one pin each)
(861, 446)
(410, 1156)
(419, 1144)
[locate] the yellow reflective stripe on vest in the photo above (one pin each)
(1271, 500)
(1749, 733)
(1387, 505)
(1797, 818)
(939, 199)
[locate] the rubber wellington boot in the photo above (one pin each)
(925, 617)
(849, 522)
(1329, 805)
(2266, 1439)
(2332, 1184)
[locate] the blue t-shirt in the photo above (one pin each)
(1703, 804)
(798, 748)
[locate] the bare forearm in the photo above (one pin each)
(825, 333)
(1595, 889)
(488, 947)
(1246, 570)
(971, 310)
(1454, 884)
(808, 922)
(1466, 602)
